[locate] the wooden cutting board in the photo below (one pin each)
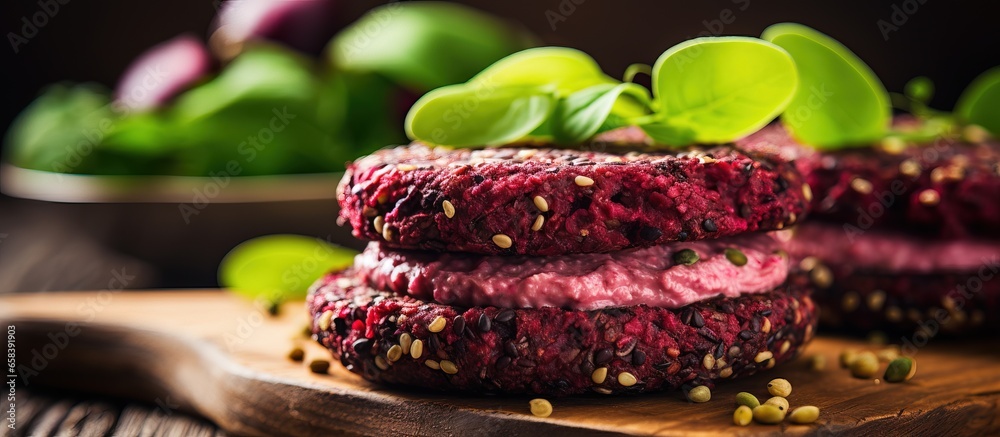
(213, 354)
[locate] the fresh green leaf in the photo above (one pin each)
(582, 114)
(715, 90)
(980, 102)
(280, 267)
(919, 89)
(569, 70)
(425, 45)
(468, 115)
(840, 102)
(662, 132)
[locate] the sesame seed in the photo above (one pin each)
(541, 203)
(502, 241)
(785, 346)
(379, 223)
(861, 185)
(437, 325)
(727, 372)
(583, 181)
(449, 209)
(405, 167)
(708, 361)
(539, 221)
(432, 364)
(387, 233)
(405, 341)
(626, 379)
(381, 363)
(324, 320)
(807, 192)
(600, 374)
(929, 197)
(448, 367)
(909, 168)
(766, 326)
(394, 353)
(417, 349)
(763, 356)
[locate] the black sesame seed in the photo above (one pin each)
(709, 226)
(458, 325)
(687, 315)
(662, 366)
(505, 316)
(708, 334)
(525, 363)
(586, 368)
(478, 179)
(720, 350)
(638, 358)
(603, 356)
(434, 342)
(362, 346)
(469, 334)
(746, 335)
(510, 349)
(682, 236)
(727, 307)
(562, 383)
(755, 324)
(765, 313)
(697, 321)
(503, 362)
(650, 233)
(484, 323)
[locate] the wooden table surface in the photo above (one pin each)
(210, 354)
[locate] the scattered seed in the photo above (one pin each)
(700, 394)
(768, 414)
(807, 192)
(505, 316)
(779, 402)
(747, 399)
(803, 415)
(626, 379)
(686, 257)
(449, 209)
(405, 341)
(381, 363)
(763, 356)
(432, 364)
(387, 233)
(539, 221)
(865, 365)
(297, 355)
(929, 197)
(540, 407)
(583, 181)
(417, 349)
(319, 366)
(736, 257)
(909, 168)
(779, 387)
(379, 224)
(458, 325)
(765, 326)
(324, 320)
(708, 361)
(742, 416)
(900, 369)
(394, 353)
(502, 241)
(600, 374)
(727, 372)
(437, 325)
(541, 204)
(861, 185)
(484, 323)
(448, 367)
(817, 363)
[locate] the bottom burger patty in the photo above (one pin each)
(397, 339)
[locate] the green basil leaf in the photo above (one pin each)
(582, 114)
(469, 115)
(425, 45)
(720, 89)
(569, 70)
(280, 267)
(840, 102)
(980, 102)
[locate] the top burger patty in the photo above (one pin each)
(541, 201)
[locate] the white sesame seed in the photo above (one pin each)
(541, 203)
(627, 379)
(379, 223)
(763, 356)
(583, 181)
(417, 349)
(539, 221)
(405, 341)
(502, 241)
(929, 197)
(807, 192)
(449, 209)
(437, 325)
(861, 185)
(387, 233)
(324, 320)
(448, 367)
(432, 364)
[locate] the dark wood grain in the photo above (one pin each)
(210, 354)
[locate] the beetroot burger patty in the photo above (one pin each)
(396, 339)
(947, 188)
(553, 201)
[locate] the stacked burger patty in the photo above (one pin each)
(904, 236)
(557, 271)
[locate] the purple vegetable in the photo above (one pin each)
(304, 25)
(162, 72)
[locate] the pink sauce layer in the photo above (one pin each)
(890, 251)
(579, 281)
